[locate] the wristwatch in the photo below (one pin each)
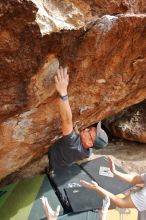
(64, 97)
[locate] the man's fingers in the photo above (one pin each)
(61, 72)
(65, 72)
(56, 79)
(67, 78)
(59, 75)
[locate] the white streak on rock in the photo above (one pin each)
(24, 124)
(100, 81)
(107, 22)
(50, 18)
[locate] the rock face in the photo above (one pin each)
(103, 44)
(129, 124)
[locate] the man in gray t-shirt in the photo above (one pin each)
(72, 146)
(133, 200)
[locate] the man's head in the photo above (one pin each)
(94, 137)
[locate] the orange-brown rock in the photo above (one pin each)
(129, 124)
(106, 55)
(113, 7)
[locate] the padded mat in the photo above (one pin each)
(89, 215)
(22, 200)
(99, 166)
(2, 192)
(68, 178)
(81, 216)
(45, 190)
(82, 199)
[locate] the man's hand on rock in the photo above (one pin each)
(61, 81)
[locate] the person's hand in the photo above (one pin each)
(93, 185)
(50, 214)
(106, 204)
(61, 81)
(111, 165)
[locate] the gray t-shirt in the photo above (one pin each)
(139, 200)
(67, 150)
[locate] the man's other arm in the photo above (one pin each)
(61, 84)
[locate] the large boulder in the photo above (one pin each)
(102, 44)
(129, 124)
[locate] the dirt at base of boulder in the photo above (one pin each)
(129, 155)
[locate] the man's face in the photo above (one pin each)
(88, 136)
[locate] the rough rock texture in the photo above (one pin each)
(129, 124)
(113, 7)
(102, 43)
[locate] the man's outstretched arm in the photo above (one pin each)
(61, 84)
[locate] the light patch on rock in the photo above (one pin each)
(26, 114)
(84, 108)
(85, 63)
(48, 71)
(50, 18)
(107, 22)
(23, 125)
(100, 81)
(10, 123)
(132, 125)
(124, 127)
(42, 84)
